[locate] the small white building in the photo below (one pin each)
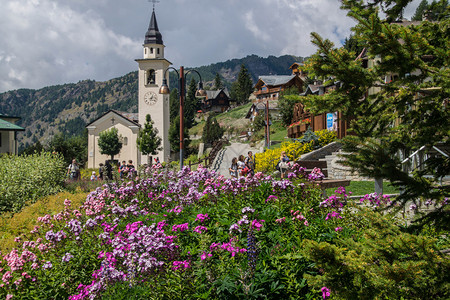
(8, 134)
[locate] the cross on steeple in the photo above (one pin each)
(154, 2)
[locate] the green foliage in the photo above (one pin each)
(148, 140)
(286, 105)
(242, 87)
(174, 101)
(70, 147)
(174, 135)
(212, 130)
(433, 12)
(382, 263)
(260, 121)
(191, 104)
(109, 142)
(24, 179)
(395, 102)
(218, 82)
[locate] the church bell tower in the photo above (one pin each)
(151, 72)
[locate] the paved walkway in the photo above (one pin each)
(223, 159)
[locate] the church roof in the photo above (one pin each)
(153, 36)
(5, 125)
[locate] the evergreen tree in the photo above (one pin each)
(148, 140)
(109, 142)
(174, 102)
(407, 112)
(212, 130)
(218, 82)
(191, 104)
(174, 135)
(420, 10)
(242, 88)
(286, 105)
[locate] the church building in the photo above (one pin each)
(152, 69)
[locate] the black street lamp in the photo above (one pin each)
(182, 92)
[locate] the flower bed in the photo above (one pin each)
(187, 233)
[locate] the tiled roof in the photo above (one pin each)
(276, 79)
(5, 125)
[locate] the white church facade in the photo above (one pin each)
(151, 72)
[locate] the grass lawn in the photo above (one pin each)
(365, 187)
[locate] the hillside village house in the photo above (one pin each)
(8, 134)
(216, 101)
(268, 89)
(152, 69)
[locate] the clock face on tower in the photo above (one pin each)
(150, 98)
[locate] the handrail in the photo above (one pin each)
(414, 154)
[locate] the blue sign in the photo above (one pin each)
(330, 121)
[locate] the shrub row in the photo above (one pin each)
(27, 178)
(267, 160)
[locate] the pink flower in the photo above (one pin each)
(205, 255)
(257, 224)
(338, 229)
(325, 292)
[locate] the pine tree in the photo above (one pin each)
(109, 142)
(218, 82)
(148, 141)
(242, 88)
(174, 102)
(174, 135)
(420, 10)
(407, 111)
(191, 104)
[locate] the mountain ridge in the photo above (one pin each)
(67, 108)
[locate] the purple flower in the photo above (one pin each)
(248, 210)
(333, 214)
(338, 229)
(180, 227)
(67, 257)
(205, 255)
(202, 218)
(271, 197)
(200, 229)
(257, 224)
(47, 265)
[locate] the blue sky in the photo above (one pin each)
(48, 42)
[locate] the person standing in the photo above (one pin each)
(250, 163)
(284, 164)
(73, 170)
(131, 169)
(234, 168)
(100, 171)
(241, 165)
(123, 169)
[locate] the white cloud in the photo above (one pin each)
(46, 42)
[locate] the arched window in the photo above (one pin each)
(151, 76)
(125, 141)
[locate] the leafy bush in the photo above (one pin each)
(382, 263)
(266, 161)
(26, 178)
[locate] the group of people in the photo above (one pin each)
(104, 170)
(242, 166)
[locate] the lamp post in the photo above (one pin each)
(182, 92)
